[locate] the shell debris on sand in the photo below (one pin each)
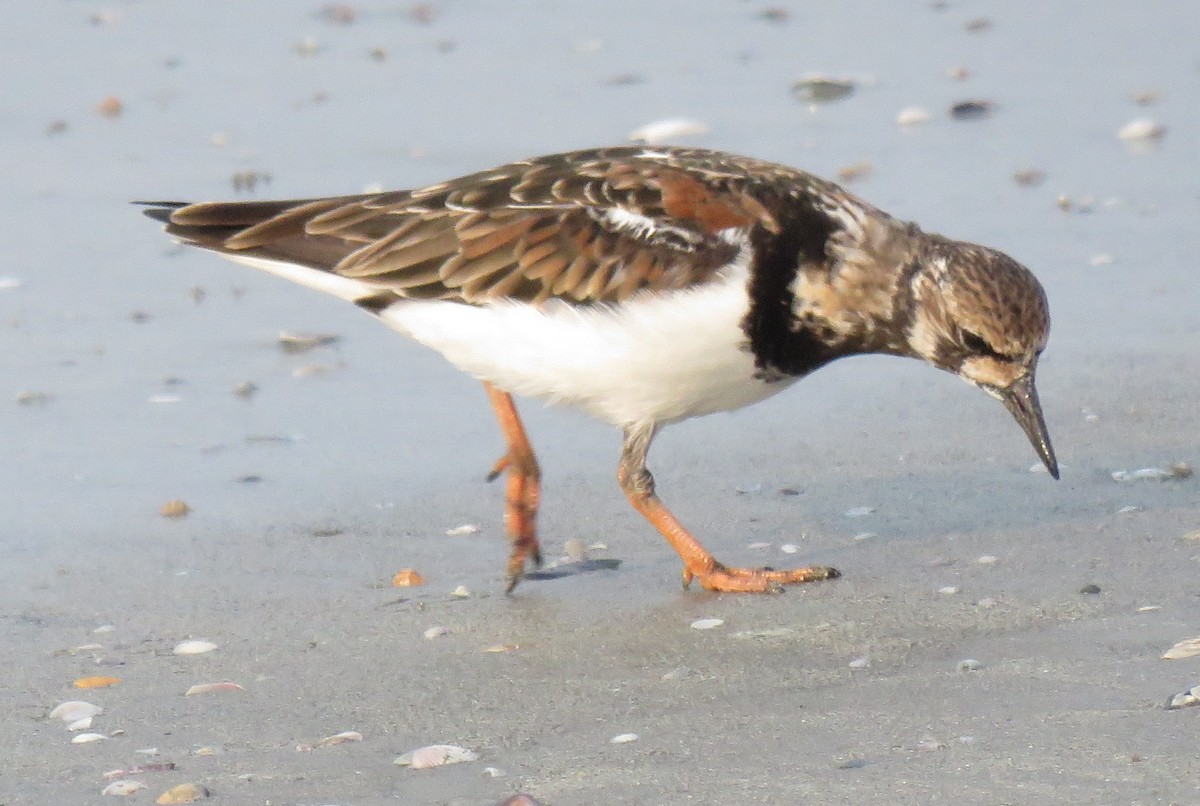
(88, 738)
(95, 681)
(72, 711)
(624, 738)
(1184, 699)
(123, 788)
(1141, 129)
(407, 578)
(183, 793)
(194, 647)
(1173, 472)
(912, 116)
(344, 737)
(206, 688)
(668, 130)
(291, 342)
(822, 89)
(464, 529)
(174, 509)
(707, 623)
(1187, 648)
(435, 755)
(436, 631)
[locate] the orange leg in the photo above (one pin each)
(698, 563)
(524, 487)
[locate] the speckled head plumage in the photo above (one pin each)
(983, 316)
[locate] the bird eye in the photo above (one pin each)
(976, 344)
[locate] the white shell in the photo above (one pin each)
(205, 688)
(194, 647)
(87, 738)
(912, 116)
(436, 631)
(624, 738)
(663, 131)
(1142, 129)
(74, 710)
(123, 788)
(435, 755)
(707, 623)
(80, 724)
(1184, 649)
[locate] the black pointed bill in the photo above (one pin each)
(1021, 399)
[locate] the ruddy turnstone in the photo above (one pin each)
(647, 285)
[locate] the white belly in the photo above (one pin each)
(655, 358)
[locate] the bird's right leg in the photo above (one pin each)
(524, 487)
(698, 563)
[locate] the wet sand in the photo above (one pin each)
(367, 451)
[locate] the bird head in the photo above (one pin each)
(983, 316)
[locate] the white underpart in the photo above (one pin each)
(655, 358)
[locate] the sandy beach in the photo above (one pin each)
(997, 637)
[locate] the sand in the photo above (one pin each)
(352, 461)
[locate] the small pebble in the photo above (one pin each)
(624, 738)
(986, 559)
(969, 665)
(437, 631)
(987, 602)
(461, 592)
(974, 109)
(1142, 129)
(245, 390)
(110, 107)
(1029, 177)
(820, 89)
(859, 663)
(789, 548)
(1090, 588)
(465, 529)
(859, 512)
(948, 590)
(912, 116)
(194, 647)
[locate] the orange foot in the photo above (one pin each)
(718, 577)
(522, 495)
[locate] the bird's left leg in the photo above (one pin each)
(698, 563)
(524, 487)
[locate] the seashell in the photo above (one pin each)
(110, 107)
(1179, 470)
(973, 109)
(461, 592)
(707, 623)
(668, 130)
(1184, 699)
(1184, 649)
(75, 710)
(465, 529)
(986, 559)
(821, 89)
(205, 688)
(407, 578)
(437, 631)
(1142, 129)
(858, 512)
(174, 509)
(859, 663)
(912, 116)
(948, 590)
(435, 755)
(329, 741)
(969, 665)
(123, 788)
(88, 738)
(624, 738)
(291, 342)
(183, 793)
(789, 548)
(497, 649)
(99, 681)
(80, 724)
(194, 647)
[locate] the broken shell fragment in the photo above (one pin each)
(123, 788)
(291, 342)
(80, 724)
(174, 509)
(1184, 649)
(437, 631)
(183, 793)
(98, 681)
(75, 710)
(624, 738)
(407, 578)
(88, 738)
(329, 741)
(664, 131)
(819, 89)
(435, 755)
(707, 623)
(1142, 129)
(194, 647)
(1184, 699)
(912, 116)
(205, 688)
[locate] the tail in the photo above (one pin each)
(267, 235)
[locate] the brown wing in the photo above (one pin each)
(587, 226)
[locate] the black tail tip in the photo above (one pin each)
(160, 210)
